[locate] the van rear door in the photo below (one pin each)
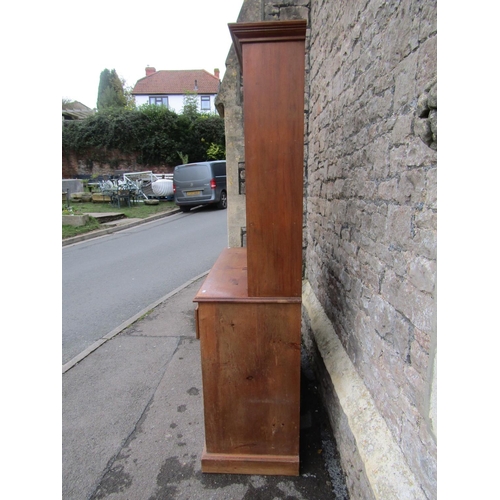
(192, 182)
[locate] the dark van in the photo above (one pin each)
(202, 183)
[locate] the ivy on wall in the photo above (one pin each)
(154, 133)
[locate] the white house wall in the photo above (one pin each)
(175, 102)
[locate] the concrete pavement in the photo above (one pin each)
(133, 420)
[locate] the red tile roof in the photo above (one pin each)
(177, 82)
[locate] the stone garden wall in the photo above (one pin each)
(109, 163)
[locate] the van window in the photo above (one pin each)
(219, 169)
(192, 173)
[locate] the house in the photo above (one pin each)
(169, 87)
(75, 110)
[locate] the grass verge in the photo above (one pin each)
(139, 211)
(70, 231)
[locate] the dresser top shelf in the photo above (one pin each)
(227, 281)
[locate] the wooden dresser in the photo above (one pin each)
(249, 307)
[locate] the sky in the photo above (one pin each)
(166, 35)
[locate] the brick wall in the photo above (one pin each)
(370, 223)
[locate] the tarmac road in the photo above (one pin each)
(107, 280)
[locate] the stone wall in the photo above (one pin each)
(369, 315)
(108, 163)
(70, 186)
(371, 204)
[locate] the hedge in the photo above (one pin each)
(156, 134)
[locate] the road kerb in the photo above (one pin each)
(98, 343)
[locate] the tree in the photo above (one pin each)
(110, 93)
(127, 92)
(190, 107)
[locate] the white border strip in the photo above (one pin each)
(387, 471)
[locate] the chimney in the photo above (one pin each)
(216, 73)
(150, 70)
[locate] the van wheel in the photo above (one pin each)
(185, 209)
(223, 201)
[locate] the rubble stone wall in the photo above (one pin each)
(109, 163)
(371, 204)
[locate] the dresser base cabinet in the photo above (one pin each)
(250, 355)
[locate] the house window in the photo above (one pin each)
(205, 103)
(159, 100)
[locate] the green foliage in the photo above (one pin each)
(110, 92)
(216, 152)
(155, 133)
(70, 231)
(129, 98)
(190, 106)
(69, 210)
(207, 129)
(183, 157)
